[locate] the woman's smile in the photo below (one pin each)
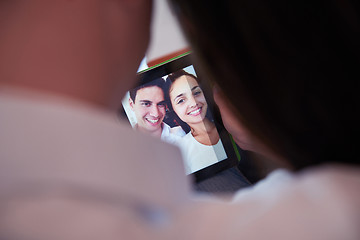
(195, 112)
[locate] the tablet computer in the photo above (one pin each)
(174, 103)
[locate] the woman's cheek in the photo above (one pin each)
(182, 111)
(200, 99)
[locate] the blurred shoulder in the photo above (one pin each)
(336, 184)
(317, 203)
(338, 178)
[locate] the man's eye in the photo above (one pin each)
(161, 105)
(146, 104)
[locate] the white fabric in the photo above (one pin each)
(198, 156)
(69, 171)
(171, 135)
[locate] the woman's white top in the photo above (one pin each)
(197, 155)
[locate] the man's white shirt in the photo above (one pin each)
(171, 135)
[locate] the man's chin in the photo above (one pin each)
(151, 128)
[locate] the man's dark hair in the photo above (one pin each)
(159, 82)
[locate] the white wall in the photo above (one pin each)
(166, 36)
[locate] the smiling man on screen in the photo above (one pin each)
(148, 104)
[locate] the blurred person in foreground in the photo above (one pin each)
(68, 168)
(288, 73)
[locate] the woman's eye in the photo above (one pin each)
(180, 101)
(197, 93)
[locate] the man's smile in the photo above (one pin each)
(152, 121)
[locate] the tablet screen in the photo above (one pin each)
(171, 103)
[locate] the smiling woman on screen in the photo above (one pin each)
(202, 145)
